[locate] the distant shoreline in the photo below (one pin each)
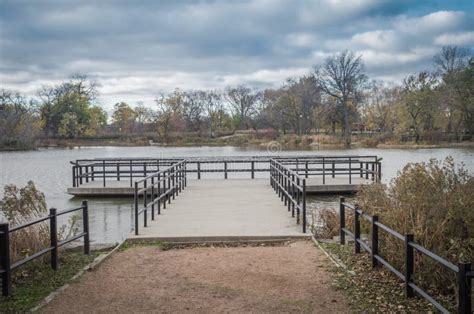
(217, 143)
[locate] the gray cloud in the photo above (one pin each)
(135, 50)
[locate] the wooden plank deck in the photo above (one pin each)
(339, 184)
(223, 210)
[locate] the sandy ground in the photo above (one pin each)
(288, 278)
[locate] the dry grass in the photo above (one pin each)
(434, 202)
(22, 205)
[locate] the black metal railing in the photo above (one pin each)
(326, 167)
(157, 189)
(291, 189)
(117, 169)
(6, 265)
(462, 270)
(89, 170)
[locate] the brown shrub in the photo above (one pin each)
(434, 202)
(431, 200)
(22, 205)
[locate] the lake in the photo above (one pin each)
(111, 218)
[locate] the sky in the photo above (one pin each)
(136, 50)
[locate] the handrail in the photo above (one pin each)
(157, 189)
(290, 188)
(86, 170)
(462, 270)
(6, 266)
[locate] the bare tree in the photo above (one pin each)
(342, 77)
(243, 101)
(451, 59)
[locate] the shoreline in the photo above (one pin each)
(263, 145)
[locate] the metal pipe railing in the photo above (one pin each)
(6, 265)
(156, 190)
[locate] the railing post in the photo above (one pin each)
(169, 186)
(199, 170)
(324, 171)
(152, 198)
(373, 171)
(306, 170)
(103, 172)
(173, 173)
(5, 259)
(253, 170)
(144, 169)
(292, 195)
(145, 201)
(225, 169)
(85, 226)
(366, 171)
(92, 173)
(375, 240)
(118, 171)
(304, 205)
(342, 220)
(131, 173)
(87, 174)
(165, 195)
(159, 193)
(136, 207)
(356, 229)
(53, 228)
(379, 171)
(465, 289)
(74, 176)
(409, 265)
(350, 170)
(298, 200)
(185, 173)
(361, 167)
(80, 175)
(333, 169)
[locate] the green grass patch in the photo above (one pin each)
(36, 280)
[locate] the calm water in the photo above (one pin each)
(111, 219)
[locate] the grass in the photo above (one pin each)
(36, 280)
(372, 290)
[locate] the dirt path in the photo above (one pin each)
(289, 278)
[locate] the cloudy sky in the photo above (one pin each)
(137, 49)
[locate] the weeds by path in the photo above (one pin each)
(371, 290)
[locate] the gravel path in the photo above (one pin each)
(287, 278)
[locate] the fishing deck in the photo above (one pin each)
(116, 177)
(221, 199)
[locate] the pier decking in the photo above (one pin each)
(223, 210)
(313, 185)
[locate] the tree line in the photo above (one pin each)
(335, 97)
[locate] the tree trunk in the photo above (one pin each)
(347, 127)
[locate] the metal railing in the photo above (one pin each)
(352, 167)
(6, 266)
(462, 270)
(291, 189)
(89, 170)
(156, 190)
(118, 169)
